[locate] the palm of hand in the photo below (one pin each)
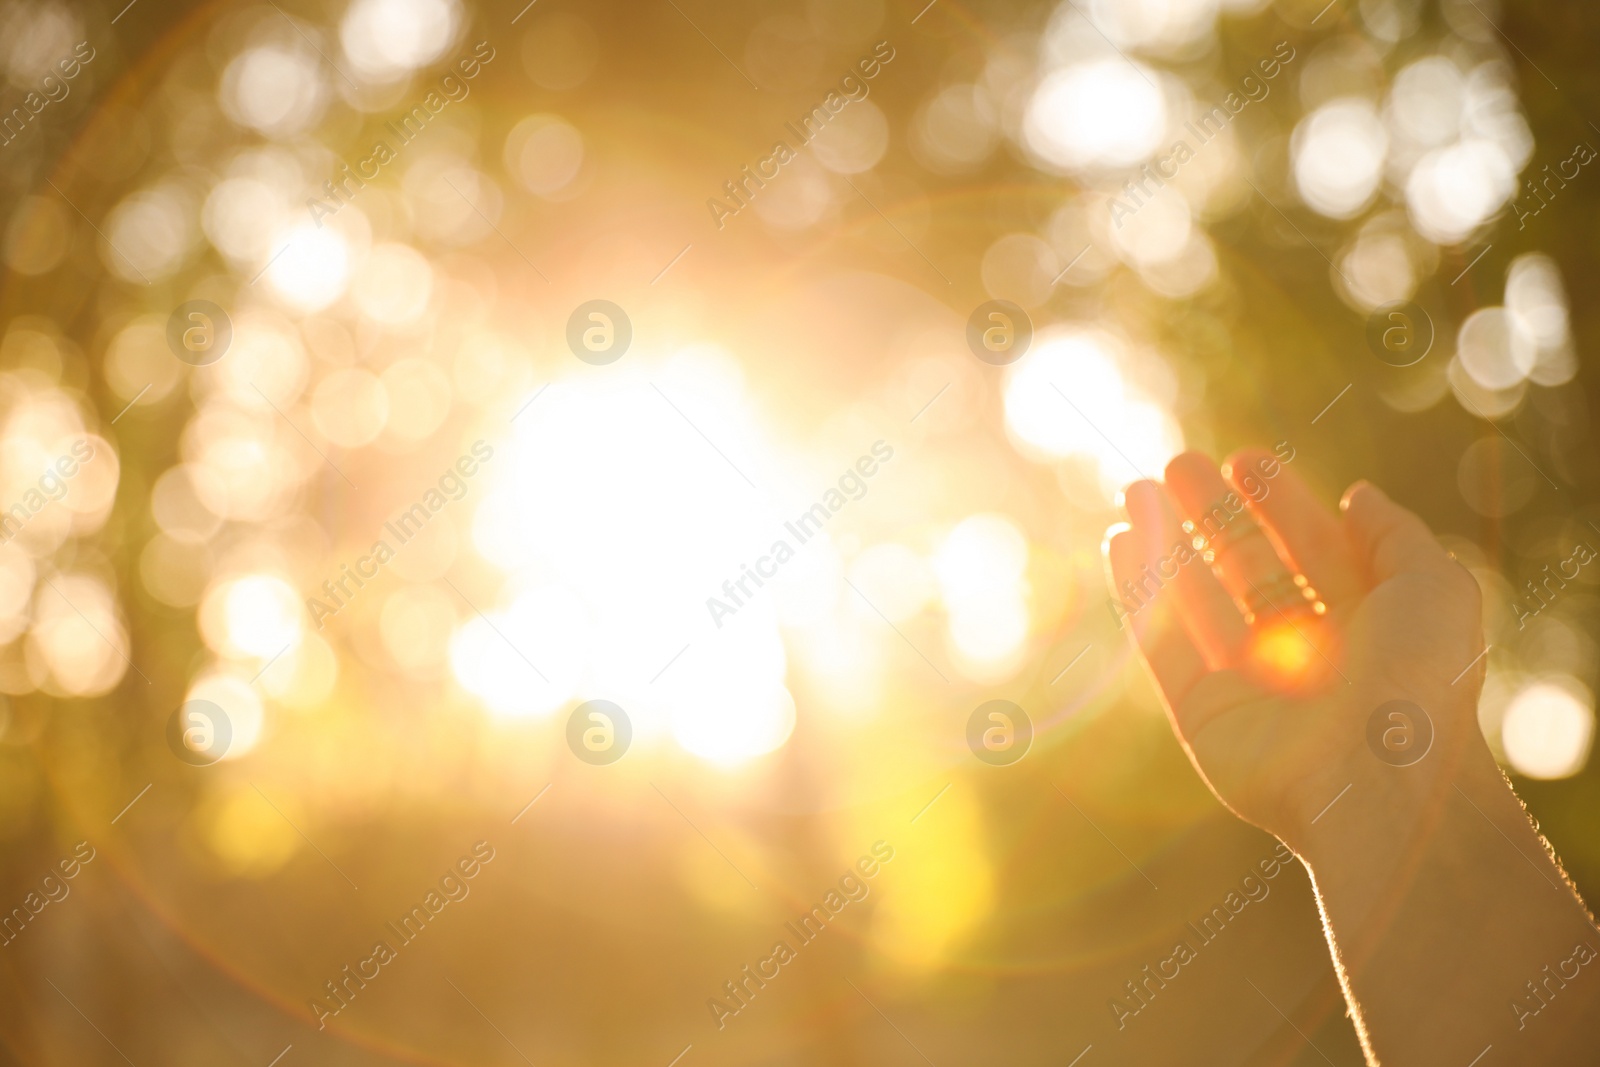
(1275, 742)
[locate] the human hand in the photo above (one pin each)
(1272, 705)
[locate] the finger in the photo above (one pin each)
(1244, 558)
(1205, 608)
(1302, 528)
(1172, 658)
(1386, 538)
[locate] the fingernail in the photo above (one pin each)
(1111, 532)
(1362, 486)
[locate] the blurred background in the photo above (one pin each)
(285, 283)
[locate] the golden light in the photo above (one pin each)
(350, 406)
(487, 659)
(545, 154)
(1548, 728)
(1461, 140)
(1536, 298)
(896, 580)
(241, 463)
(267, 364)
(37, 37)
(807, 198)
(956, 130)
(809, 591)
(17, 576)
(855, 141)
(1021, 267)
(1479, 400)
(1100, 113)
(431, 554)
(1157, 233)
(981, 568)
(175, 569)
(77, 645)
(1339, 152)
(612, 448)
(1426, 101)
(944, 887)
(240, 701)
(458, 203)
(277, 89)
(312, 265)
(1069, 397)
(402, 346)
(257, 616)
(246, 836)
(416, 625)
(386, 40)
(1496, 348)
(393, 285)
(1382, 266)
(841, 660)
(1452, 191)
(1284, 652)
(729, 703)
(151, 233)
(92, 490)
(242, 214)
(303, 677)
(1160, 25)
(419, 396)
(137, 363)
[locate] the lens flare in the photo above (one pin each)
(1290, 653)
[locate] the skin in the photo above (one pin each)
(1439, 899)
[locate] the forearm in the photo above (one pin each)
(1453, 928)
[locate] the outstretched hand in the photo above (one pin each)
(1283, 639)
(1275, 630)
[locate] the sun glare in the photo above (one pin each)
(1289, 653)
(1070, 396)
(614, 608)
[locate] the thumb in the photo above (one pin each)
(1386, 538)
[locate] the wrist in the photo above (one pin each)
(1382, 813)
(1390, 782)
(1437, 881)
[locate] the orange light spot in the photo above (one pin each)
(1284, 653)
